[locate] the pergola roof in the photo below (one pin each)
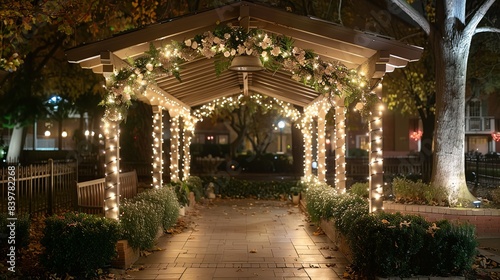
(371, 54)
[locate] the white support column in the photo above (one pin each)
(110, 125)
(307, 135)
(375, 159)
(188, 130)
(321, 148)
(340, 149)
(174, 148)
(157, 146)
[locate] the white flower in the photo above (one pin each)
(227, 36)
(266, 42)
(194, 46)
(264, 54)
(150, 67)
(276, 51)
(248, 51)
(241, 49)
(217, 40)
(188, 42)
(126, 97)
(227, 54)
(233, 52)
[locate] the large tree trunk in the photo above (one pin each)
(16, 144)
(452, 49)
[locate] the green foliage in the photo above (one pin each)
(346, 209)
(181, 190)
(195, 185)
(234, 188)
(140, 221)
(443, 240)
(298, 188)
(417, 192)
(144, 215)
(321, 200)
(360, 189)
(400, 245)
(495, 196)
(166, 200)
(22, 230)
(79, 243)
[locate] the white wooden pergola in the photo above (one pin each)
(368, 54)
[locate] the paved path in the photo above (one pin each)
(244, 239)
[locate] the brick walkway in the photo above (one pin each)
(243, 239)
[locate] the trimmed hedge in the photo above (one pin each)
(388, 245)
(79, 243)
(404, 245)
(228, 187)
(142, 216)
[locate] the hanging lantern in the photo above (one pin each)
(246, 63)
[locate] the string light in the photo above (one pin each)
(174, 151)
(328, 77)
(375, 159)
(111, 132)
(157, 147)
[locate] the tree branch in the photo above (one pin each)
(487, 29)
(416, 16)
(478, 16)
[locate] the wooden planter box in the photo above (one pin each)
(126, 255)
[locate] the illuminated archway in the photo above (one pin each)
(332, 79)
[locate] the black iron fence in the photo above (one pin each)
(482, 171)
(38, 188)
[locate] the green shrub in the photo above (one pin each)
(495, 196)
(360, 189)
(444, 239)
(399, 245)
(181, 190)
(195, 185)
(140, 221)
(166, 200)
(346, 210)
(22, 230)
(321, 200)
(79, 243)
(235, 188)
(406, 190)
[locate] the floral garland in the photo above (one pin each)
(226, 42)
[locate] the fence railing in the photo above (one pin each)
(91, 193)
(483, 171)
(39, 188)
(357, 168)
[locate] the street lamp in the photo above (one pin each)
(281, 125)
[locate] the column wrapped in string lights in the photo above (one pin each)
(174, 147)
(321, 145)
(110, 126)
(306, 126)
(157, 146)
(188, 131)
(375, 158)
(340, 139)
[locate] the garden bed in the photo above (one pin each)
(486, 220)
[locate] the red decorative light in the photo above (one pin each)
(416, 135)
(496, 136)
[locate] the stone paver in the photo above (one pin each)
(243, 239)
